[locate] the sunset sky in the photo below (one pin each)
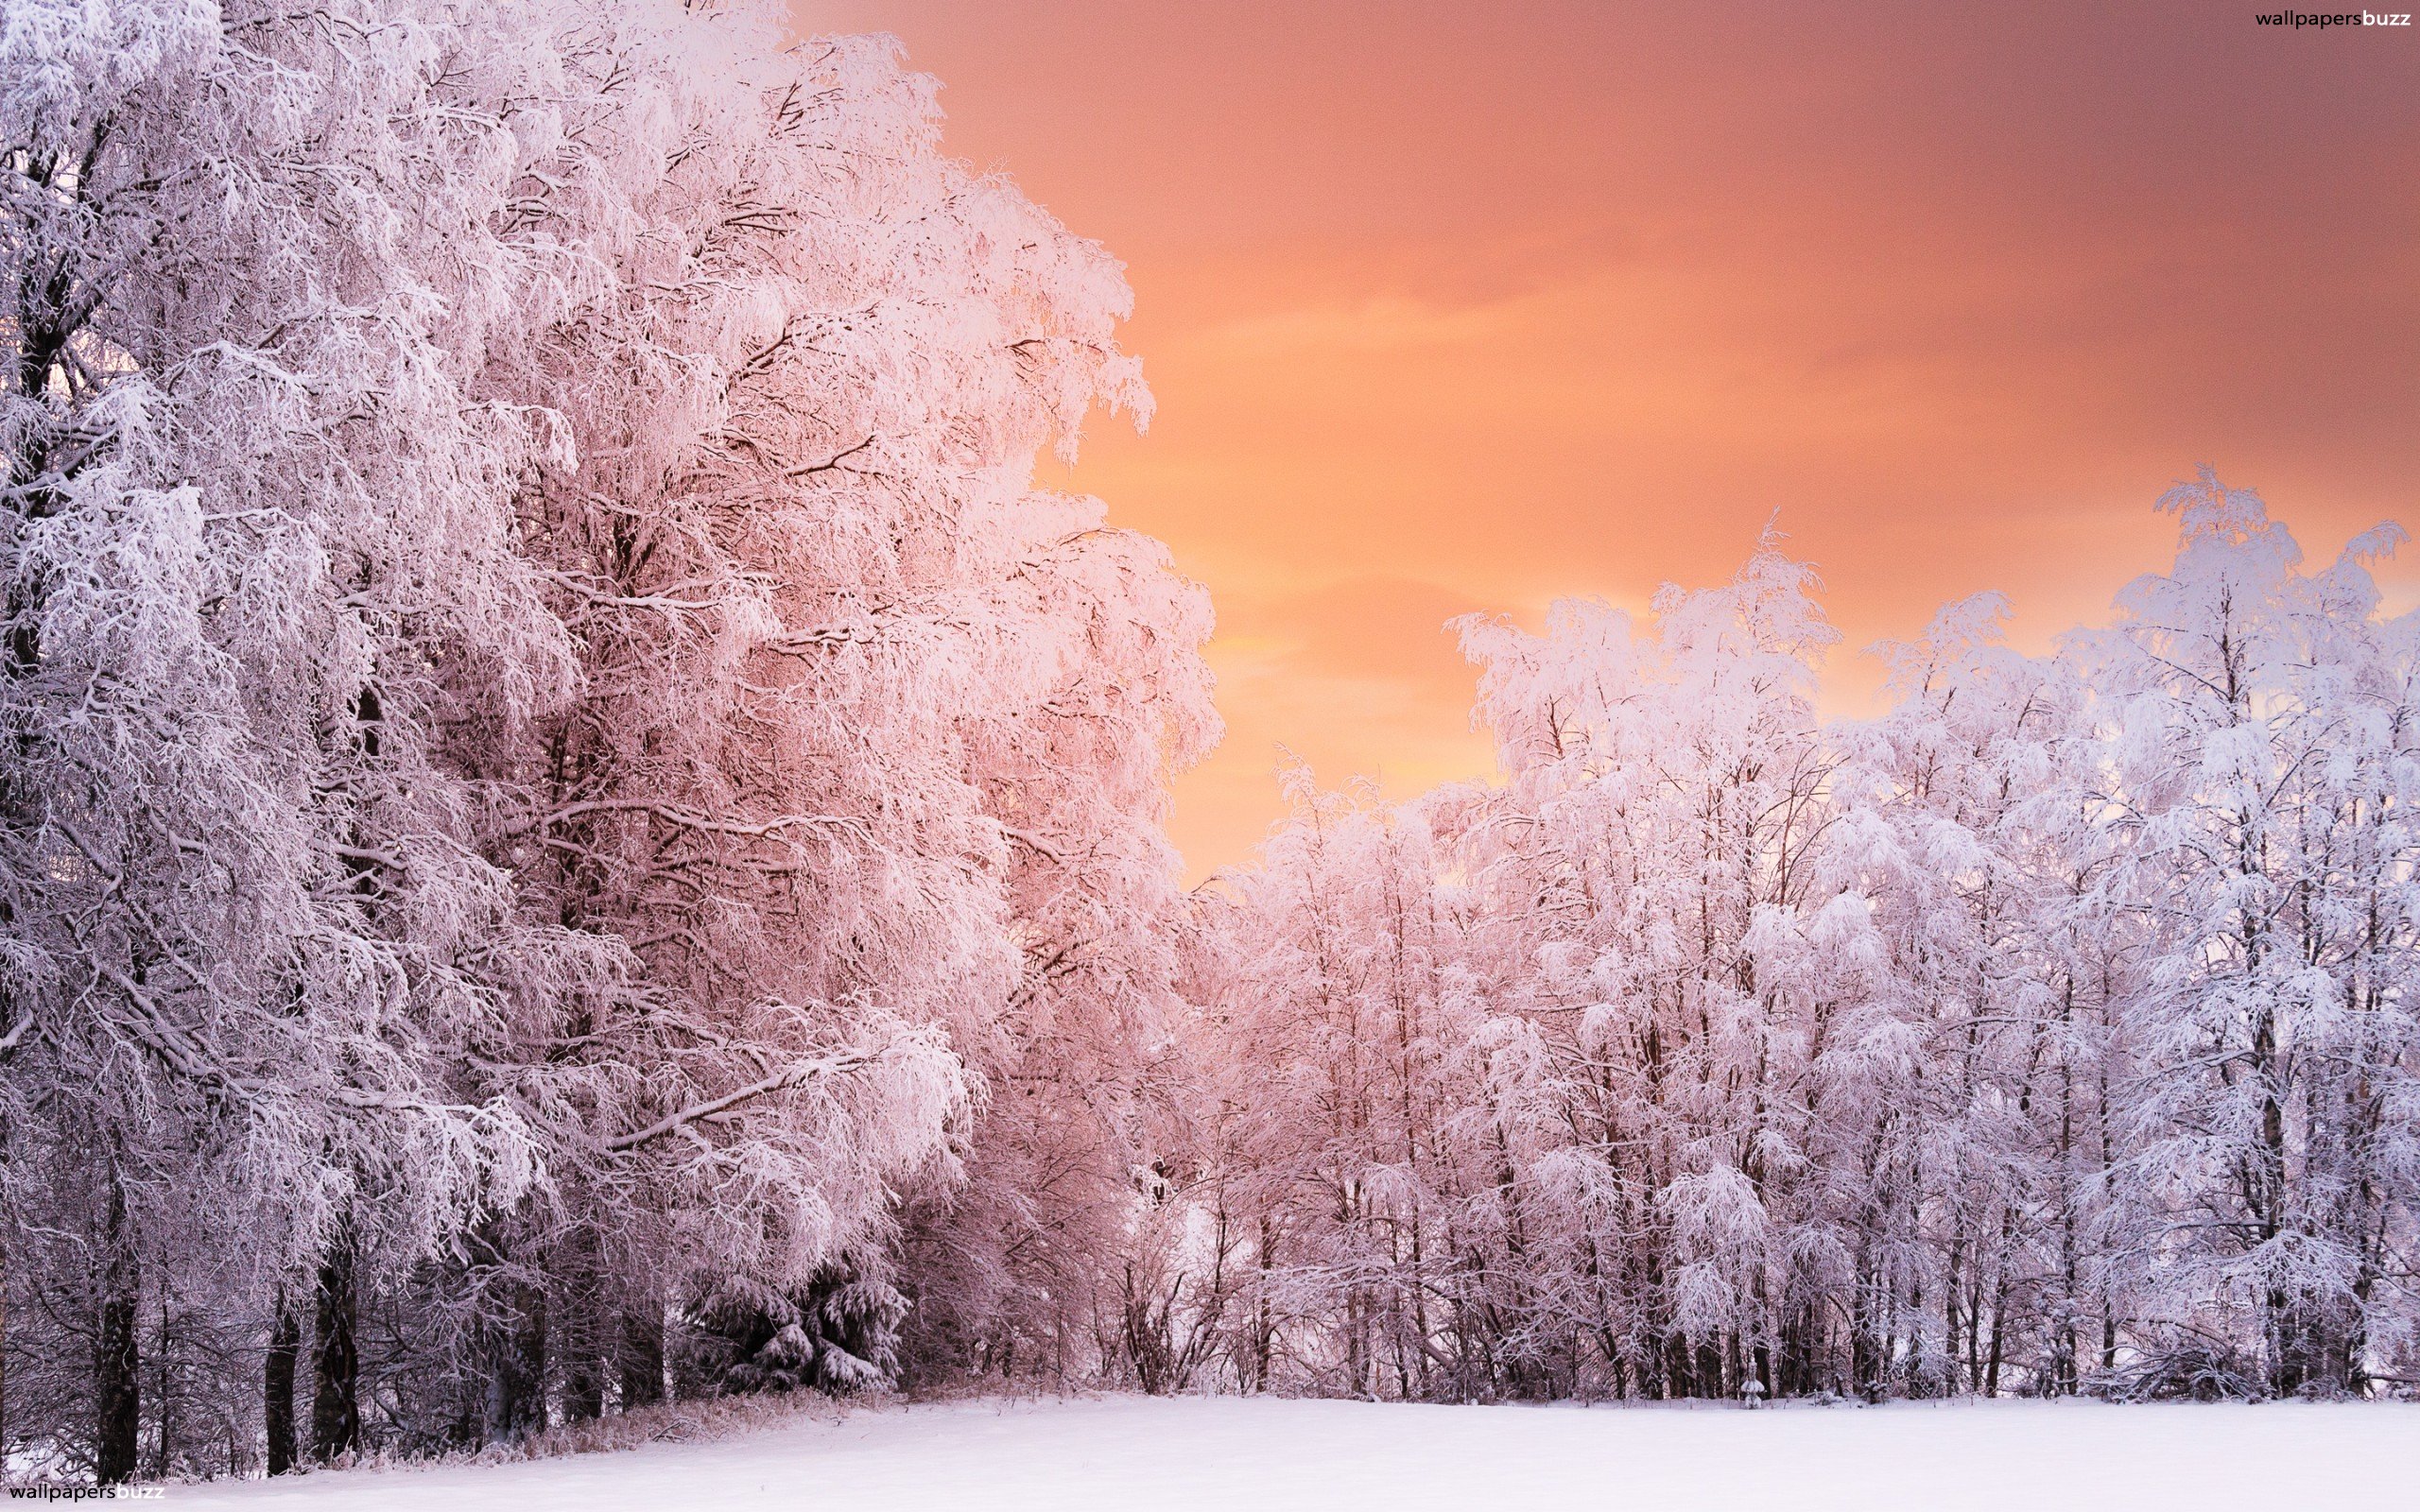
(1458, 307)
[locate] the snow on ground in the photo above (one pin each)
(1261, 1455)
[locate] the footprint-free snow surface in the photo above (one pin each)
(1263, 1455)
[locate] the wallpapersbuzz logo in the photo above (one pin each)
(49, 1492)
(2296, 19)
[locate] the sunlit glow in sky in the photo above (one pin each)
(1456, 307)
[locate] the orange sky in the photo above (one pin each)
(1456, 307)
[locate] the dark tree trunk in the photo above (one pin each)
(335, 1365)
(1995, 1352)
(284, 1348)
(586, 1344)
(1869, 1357)
(117, 1358)
(642, 1357)
(516, 1406)
(3, 1355)
(1796, 1373)
(1679, 1381)
(583, 1387)
(164, 1398)
(1709, 1369)
(584, 1353)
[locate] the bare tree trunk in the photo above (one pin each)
(164, 1400)
(1949, 1312)
(335, 1365)
(1975, 1326)
(1264, 1329)
(277, 1384)
(2066, 1374)
(4, 1354)
(2000, 1341)
(585, 1343)
(117, 1358)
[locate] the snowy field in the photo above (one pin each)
(1263, 1455)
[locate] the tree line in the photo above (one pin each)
(2051, 1032)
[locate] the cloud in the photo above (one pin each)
(1455, 307)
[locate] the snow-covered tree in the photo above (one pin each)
(1971, 821)
(553, 743)
(870, 722)
(263, 598)
(1353, 1153)
(2049, 1032)
(2260, 748)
